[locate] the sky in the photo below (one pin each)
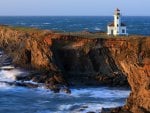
(73, 7)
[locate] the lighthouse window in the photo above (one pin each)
(117, 25)
(123, 31)
(117, 17)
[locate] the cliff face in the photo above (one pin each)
(86, 61)
(110, 61)
(133, 57)
(27, 48)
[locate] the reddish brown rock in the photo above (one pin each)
(88, 61)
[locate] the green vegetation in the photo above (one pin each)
(20, 28)
(25, 29)
(86, 34)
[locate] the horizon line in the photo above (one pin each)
(70, 15)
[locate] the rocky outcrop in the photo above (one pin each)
(50, 80)
(111, 60)
(88, 60)
(23, 46)
(133, 57)
(77, 60)
(135, 62)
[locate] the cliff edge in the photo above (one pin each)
(85, 61)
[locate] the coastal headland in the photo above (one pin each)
(91, 59)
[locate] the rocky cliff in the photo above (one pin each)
(85, 61)
(133, 57)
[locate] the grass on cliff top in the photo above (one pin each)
(21, 28)
(92, 35)
(86, 34)
(25, 29)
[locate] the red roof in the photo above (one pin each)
(112, 24)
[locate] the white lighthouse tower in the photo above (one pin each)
(117, 27)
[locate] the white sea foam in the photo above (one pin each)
(23, 23)
(10, 75)
(31, 82)
(4, 86)
(43, 91)
(84, 108)
(97, 29)
(46, 23)
(9, 67)
(109, 93)
(102, 92)
(35, 25)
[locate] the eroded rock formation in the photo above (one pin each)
(101, 61)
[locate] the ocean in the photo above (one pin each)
(15, 99)
(136, 25)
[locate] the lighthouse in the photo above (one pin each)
(117, 27)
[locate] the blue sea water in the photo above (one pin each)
(15, 99)
(139, 25)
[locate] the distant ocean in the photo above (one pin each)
(139, 25)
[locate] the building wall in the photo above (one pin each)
(110, 28)
(117, 24)
(125, 33)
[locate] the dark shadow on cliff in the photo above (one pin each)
(90, 66)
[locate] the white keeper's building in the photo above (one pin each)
(117, 27)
